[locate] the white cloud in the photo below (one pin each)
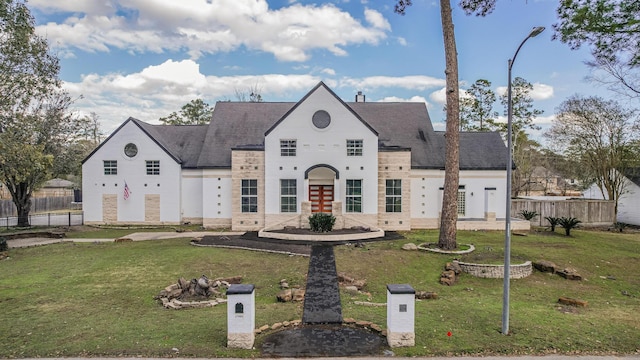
(206, 27)
(158, 90)
(376, 19)
(415, 98)
(412, 82)
(439, 96)
(539, 92)
(328, 71)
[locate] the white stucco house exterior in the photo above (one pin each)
(629, 202)
(268, 165)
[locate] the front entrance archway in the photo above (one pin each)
(321, 182)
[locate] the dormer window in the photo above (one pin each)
(288, 147)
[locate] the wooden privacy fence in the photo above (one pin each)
(590, 212)
(44, 204)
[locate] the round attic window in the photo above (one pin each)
(321, 119)
(131, 150)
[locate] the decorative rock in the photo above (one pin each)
(351, 289)
(349, 321)
(276, 326)
(426, 295)
(376, 327)
(366, 303)
(203, 282)
(454, 266)
(569, 274)
(410, 247)
(448, 277)
(285, 295)
(286, 323)
(545, 266)
(297, 294)
(363, 323)
(296, 322)
(264, 328)
(572, 302)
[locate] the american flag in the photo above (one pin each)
(126, 191)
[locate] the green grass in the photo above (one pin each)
(77, 299)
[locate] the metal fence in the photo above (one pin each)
(48, 219)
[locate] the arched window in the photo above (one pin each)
(239, 308)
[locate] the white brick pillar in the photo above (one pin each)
(401, 315)
(241, 316)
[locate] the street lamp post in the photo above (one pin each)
(507, 221)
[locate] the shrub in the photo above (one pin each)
(620, 226)
(321, 222)
(553, 221)
(568, 223)
(528, 215)
(3, 244)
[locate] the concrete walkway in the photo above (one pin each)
(137, 236)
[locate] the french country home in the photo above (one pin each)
(260, 165)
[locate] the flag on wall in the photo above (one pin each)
(127, 192)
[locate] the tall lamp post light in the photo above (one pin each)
(507, 221)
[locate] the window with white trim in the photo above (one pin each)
(354, 147)
(462, 201)
(153, 167)
(288, 195)
(353, 198)
(249, 195)
(288, 147)
(393, 197)
(110, 167)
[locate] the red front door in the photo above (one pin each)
(321, 197)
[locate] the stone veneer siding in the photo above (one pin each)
(394, 165)
(240, 340)
(109, 208)
(247, 164)
(152, 208)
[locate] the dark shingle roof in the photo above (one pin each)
(400, 126)
(182, 142)
(236, 125)
(633, 174)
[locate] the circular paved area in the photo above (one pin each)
(323, 340)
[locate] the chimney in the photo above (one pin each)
(360, 97)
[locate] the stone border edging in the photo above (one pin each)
(296, 323)
(440, 251)
(252, 249)
(272, 234)
(517, 271)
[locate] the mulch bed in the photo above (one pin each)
(250, 240)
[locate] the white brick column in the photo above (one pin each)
(241, 316)
(401, 315)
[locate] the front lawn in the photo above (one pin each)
(96, 299)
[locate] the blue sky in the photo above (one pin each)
(146, 58)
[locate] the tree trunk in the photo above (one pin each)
(449, 216)
(22, 200)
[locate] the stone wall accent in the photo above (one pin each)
(247, 164)
(240, 340)
(214, 223)
(517, 271)
(151, 207)
(401, 339)
(394, 165)
(109, 208)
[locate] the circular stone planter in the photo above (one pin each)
(517, 271)
(425, 246)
